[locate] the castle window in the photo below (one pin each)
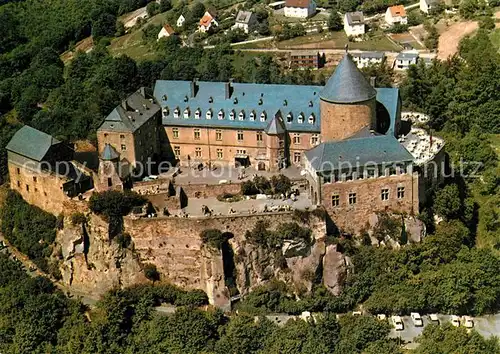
(289, 118)
(231, 115)
(197, 114)
(165, 111)
(177, 112)
(296, 139)
(177, 151)
(34, 179)
(310, 103)
(263, 116)
(105, 135)
(300, 118)
(240, 135)
(110, 182)
(218, 135)
(241, 116)
(208, 115)
(27, 188)
(18, 171)
(335, 200)
(197, 134)
(221, 114)
(210, 99)
(259, 136)
(175, 133)
(122, 136)
(19, 184)
(197, 152)
(401, 192)
(123, 147)
(311, 118)
(384, 194)
(220, 154)
(352, 198)
(252, 115)
(315, 139)
(187, 113)
(296, 157)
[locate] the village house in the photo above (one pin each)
(427, 6)
(166, 31)
(364, 59)
(405, 59)
(180, 21)
(396, 15)
(306, 60)
(354, 23)
(300, 8)
(245, 20)
(207, 22)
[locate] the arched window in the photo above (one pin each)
(221, 114)
(186, 113)
(197, 114)
(177, 112)
(311, 119)
(289, 117)
(263, 116)
(231, 115)
(241, 115)
(300, 118)
(208, 115)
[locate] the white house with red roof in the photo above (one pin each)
(166, 31)
(207, 21)
(396, 15)
(300, 8)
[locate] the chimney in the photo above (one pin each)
(228, 89)
(194, 87)
(372, 80)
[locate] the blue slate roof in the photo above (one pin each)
(276, 126)
(389, 97)
(245, 98)
(31, 143)
(347, 84)
(109, 153)
(377, 149)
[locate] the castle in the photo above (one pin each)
(343, 135)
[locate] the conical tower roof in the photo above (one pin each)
(109, 153)
(275, 126)
(347, 84)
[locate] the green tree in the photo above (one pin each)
(447, 202)
(104, 26)
(165, 5)
(151, 272)
(334, 20)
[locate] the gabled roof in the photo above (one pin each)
(168, 29)
(357, 152)
(109, 153)
(347, 84)
(276, 126)
(31, 143)
(298, 3)
(207, 18)
(407, 55)
(398, 10)
(355, 18)
(132, 113)
(244, 17)
(375, 55)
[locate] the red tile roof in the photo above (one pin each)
(169, 29)
(297, 3)
(398, 10)
(206, 19)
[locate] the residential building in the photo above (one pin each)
(246, 20)
(427, 6)
(180, 21)
(277, 5)
(207, 22)
(364, 59)
(300, 8)
(396, 15)
(166, 31)
(405, 59)
(42, 170)
(132, 130)
(306, 60)
(354, 23)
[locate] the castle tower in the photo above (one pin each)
(276, 143)
(109, 177)
(347, 102)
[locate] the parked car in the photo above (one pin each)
(455, 320)
(397, 323)
(356, 313)
(417, 320)
(434, 318)
(468, 322)
(381, 317)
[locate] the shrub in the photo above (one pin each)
(78, 218)
(281, 184)
(123, 239)
(214, 237)
(115, 203)
(151, 272)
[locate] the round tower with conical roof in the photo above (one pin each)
(347, 102)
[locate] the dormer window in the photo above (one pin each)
(285, 103)
(165, 111)
(231, 115)
(208, 115)
(210, 99)
(186, 113)
(300, 118)
(186, 98)
(164, 97)
(221, 114)
(235, 101)
(263, 116)
(252, 115)
(311, 119)
(310, 103)
(177, 112)
(197, 114)
(241, 115)
(260, 101)
(289, 118)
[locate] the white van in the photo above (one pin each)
(397, 323)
